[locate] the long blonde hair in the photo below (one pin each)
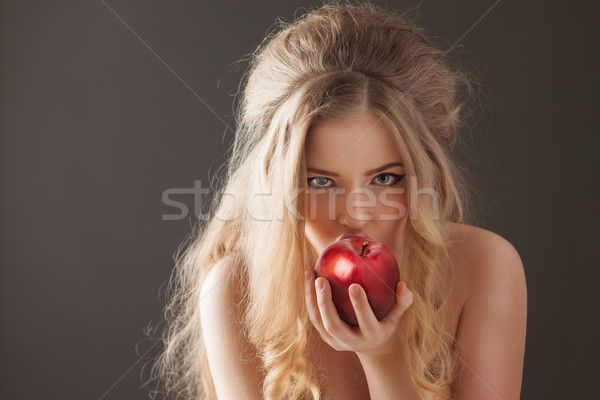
(334, 58)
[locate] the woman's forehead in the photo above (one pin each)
(353, 138)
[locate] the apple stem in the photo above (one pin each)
(364, 246)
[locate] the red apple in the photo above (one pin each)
(356, 258)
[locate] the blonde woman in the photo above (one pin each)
(345, 105)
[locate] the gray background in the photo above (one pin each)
(94, 127)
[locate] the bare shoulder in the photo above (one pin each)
(479, 240)
(228, 351)
(492, 324)
(486, 259)
(219, 281)
(478, 244)
(218, 298)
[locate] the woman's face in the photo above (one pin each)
(355, 182)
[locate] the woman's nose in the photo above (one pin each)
(354, 214)
(354, 223)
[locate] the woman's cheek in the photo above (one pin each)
(391, 211)
(318, 230)
(392, 205)
(316, 206)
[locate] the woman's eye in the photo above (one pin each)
(389, 178)
(385, 179)
(318, 182)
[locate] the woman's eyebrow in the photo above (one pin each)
(383, 167)
(370, 172)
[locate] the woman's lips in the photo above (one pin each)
(353, 234)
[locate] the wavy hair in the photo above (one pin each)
(333, 59)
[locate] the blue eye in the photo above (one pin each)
(389, 180)
(395, 178)
(316, 179)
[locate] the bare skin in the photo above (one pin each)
(493, 337)
(486, 310)
(470, 246)
(488, 295)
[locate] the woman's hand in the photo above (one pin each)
(371, 337)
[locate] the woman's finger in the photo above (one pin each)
(404, 298)
(313, 309)
(367, 321)
(311, 302)
(331, 320)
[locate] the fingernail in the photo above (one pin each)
(320, 285)
(402, 294)
(408, 296)
(354, 290)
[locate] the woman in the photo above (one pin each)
(346, 99)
